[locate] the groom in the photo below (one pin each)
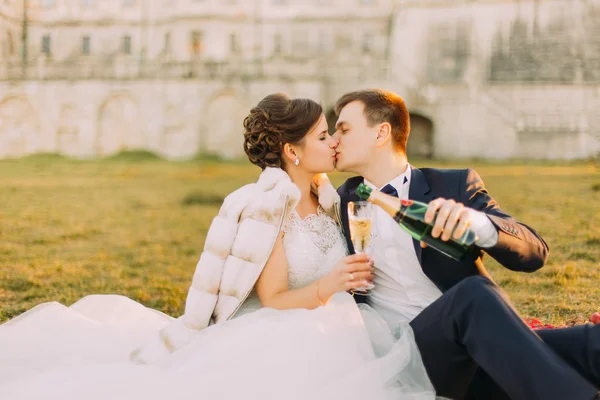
(473, 343)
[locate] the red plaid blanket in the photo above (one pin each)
(537, 324)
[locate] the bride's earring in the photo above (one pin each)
(297, 162)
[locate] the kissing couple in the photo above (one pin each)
(268, 314)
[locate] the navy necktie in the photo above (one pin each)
(389, 189)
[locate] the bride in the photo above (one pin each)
(267, 314)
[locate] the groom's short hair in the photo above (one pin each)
(381, 106)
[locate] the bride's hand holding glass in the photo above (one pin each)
(350, 273)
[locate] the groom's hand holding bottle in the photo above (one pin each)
(351, 272)
(451, 219)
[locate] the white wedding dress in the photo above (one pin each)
(334, 352)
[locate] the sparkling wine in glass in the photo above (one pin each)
(360, 233)
(360, 219)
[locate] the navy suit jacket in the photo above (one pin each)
(519, 247)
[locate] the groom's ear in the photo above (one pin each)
(384, 134)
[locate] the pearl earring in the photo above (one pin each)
(297, 162)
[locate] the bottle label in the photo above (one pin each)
(406, 202)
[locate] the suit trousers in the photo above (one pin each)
(472, 335)
(579, 346)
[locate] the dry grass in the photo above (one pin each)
(135, 225)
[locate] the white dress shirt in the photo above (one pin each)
(401, 288)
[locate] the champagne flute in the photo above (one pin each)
(360, 219)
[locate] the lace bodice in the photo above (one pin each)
(313, 245)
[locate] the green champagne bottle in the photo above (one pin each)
(410, 215)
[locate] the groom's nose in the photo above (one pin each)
(335, 141)
(336, 137)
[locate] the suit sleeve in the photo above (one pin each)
(519, 247)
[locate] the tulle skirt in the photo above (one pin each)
(338, 351)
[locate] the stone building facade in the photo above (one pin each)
(483, 78)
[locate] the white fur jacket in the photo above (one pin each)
(238, 244)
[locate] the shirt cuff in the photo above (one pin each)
(484, 229)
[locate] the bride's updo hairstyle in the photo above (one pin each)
(275, 121)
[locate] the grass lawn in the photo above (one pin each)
(136, 226)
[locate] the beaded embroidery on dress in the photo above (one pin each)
(313, 245)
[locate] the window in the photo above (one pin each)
(48, 3)
(88, 3)
(196, 43)
(127, 44)
(11, 44)
(367, 2)
(127, 3)
(321, 42)
(233, 43)
(46, 49)
(277, 43)
(367, 43)
(279, 1)
(167, 45)
(86, 45)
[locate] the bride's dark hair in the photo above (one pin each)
(275, 121)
